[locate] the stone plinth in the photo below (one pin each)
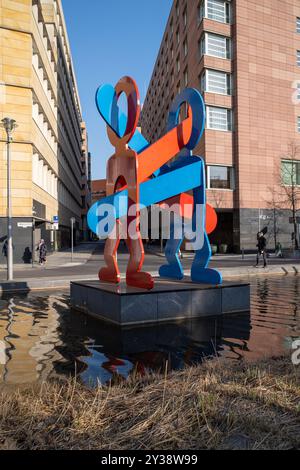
(168, 301)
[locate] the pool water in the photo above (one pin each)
(41, 338)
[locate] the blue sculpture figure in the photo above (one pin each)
(199, 271)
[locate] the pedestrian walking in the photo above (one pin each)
(4, 248)
(42, 249)
(261, 249)
(278, 251)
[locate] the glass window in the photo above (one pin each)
(218, 10)
(220, 177)
(202, 82)
(186, 79)
(298, 25)
(201, 46)
(219, 118)
(298, 58)
(185, 47)
(298, 91)
(201, 11)
(290, 172)
(185, 16)
(217, 82)
(298, 123)
(215, 45)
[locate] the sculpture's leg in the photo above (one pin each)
(174, 268)
(134, 276)
(111, 273)
(199, 271)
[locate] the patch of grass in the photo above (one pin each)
(211, 406)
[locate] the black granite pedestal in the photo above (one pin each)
(168, 301)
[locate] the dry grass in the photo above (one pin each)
(213, 406)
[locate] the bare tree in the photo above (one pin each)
(274, 205)
(287, 193)
(217, 197)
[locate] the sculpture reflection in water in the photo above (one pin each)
(116, 353)
(42, 340)
(140, 175)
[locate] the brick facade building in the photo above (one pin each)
(244, 57)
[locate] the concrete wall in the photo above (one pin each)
(22, 241)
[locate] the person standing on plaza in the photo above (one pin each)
(261, 249)
(42, 249)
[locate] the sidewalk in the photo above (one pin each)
(82, 253)
(88, 259)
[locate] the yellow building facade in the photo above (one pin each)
(50, 161)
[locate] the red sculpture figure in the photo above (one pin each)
(122, 171)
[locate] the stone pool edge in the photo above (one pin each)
(38, 284)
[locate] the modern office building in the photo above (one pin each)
(50, 159)
(244, 57)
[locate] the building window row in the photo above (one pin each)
(43, 124)
(71, 90)
(43, 176)
(62, 35)
(68, 168)
(67, 138)
(43, 78)
(64, 105)
(43, 34)
(66, 198)
(217, 10)
(63, 41)
(169, 39)
(45, 40)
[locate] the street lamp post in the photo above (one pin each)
(9, 125)
(73, 220)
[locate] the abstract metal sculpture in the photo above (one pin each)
(138, 175)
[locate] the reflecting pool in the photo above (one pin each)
(41, 338)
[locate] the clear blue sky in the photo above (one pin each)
(110, 39)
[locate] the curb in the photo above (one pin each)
(25, 286)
